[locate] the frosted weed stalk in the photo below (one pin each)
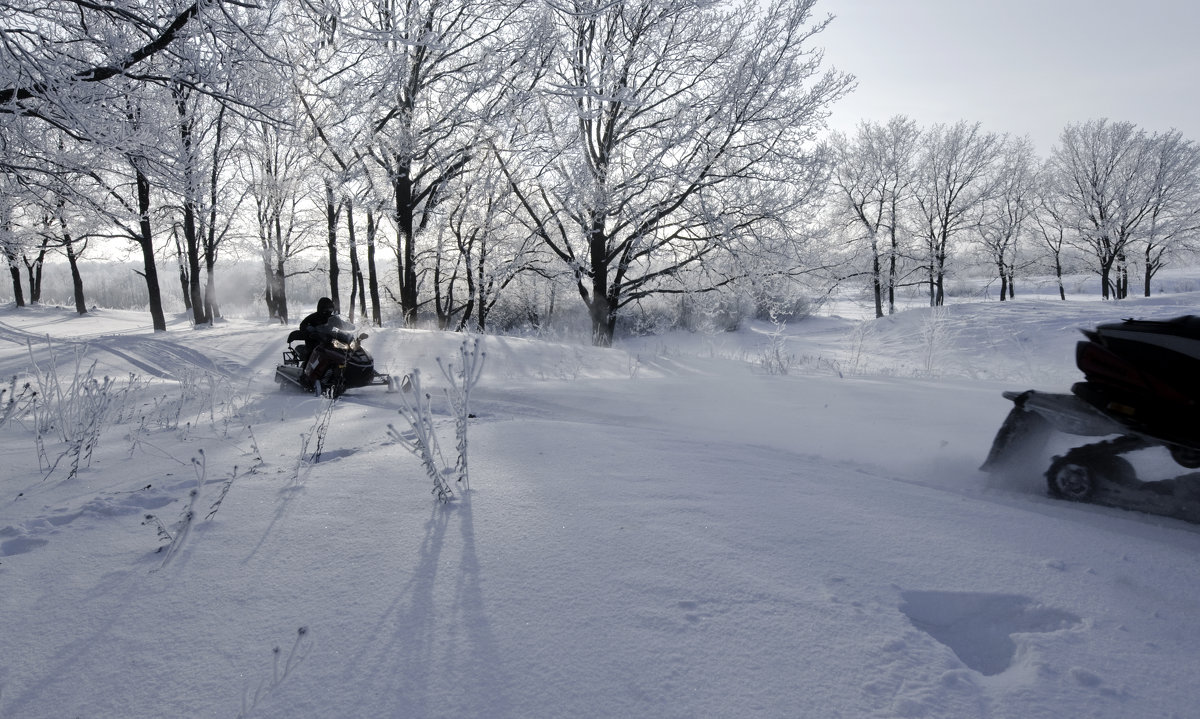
(570, 365)
(76, 411)
(319, 430)
(176, 534)
(201, 393)
(421, 437)
(775, 359)
(213, 395)
(935, 331)
(458, 395)
(279, 671)
(861, 347)
(14, 403)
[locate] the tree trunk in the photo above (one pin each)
(33, 271)
(76, 278)
(331, 217)
(474, 277)
(601, 306)
(269, 289)
(891, 284)
(10, 254)
(211, 307)
(373, 279)
(893, 255)
(264, 242)
(876, 277)
(183, 284)
(192, 240)
(356, 277)
(405, 246)
(932, 286)
(146, 241)
(18, 290)
(281, 303)
(274, 265)
(73, 262)
(941, 274)
(193, 298)
(441, 305)
(482, 305)
(181, 260)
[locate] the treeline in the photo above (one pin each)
(622, 150)
(491, 149)
(908, 202)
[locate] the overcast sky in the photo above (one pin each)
(1018, 66)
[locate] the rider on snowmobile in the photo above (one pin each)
(322, 323)
(318, 328)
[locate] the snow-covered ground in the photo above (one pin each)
(661, 529)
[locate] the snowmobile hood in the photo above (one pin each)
(1181, 334)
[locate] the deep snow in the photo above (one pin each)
(662, 529)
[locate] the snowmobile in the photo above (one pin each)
(336, 363)
(1141, 390)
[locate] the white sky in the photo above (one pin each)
(1020, 66)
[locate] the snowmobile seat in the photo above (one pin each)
(301, 351)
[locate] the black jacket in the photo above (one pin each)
(320, 325)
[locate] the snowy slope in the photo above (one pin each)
(662, 529)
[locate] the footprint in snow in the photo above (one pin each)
(20, 545)
(116, 504)
(978, 627)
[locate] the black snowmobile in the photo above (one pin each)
(1141, 389)
(335, 363)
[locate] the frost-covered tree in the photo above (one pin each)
(206, 195)
(70, 67)
(221, 81)
(673, 139)
(128, 79)
(1050, 228)
(325, 69)
(56, 56)
(1004, 212)
(489, 245)
(873, 172)
(58, 227)
(276, 169)
(129, 200)
(1100, 172)
(73, 245)
(435, 69)
(1173, 221)
(954, 179)
(10, 243)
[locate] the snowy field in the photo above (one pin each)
(675, 527)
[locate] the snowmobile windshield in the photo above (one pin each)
(332, 331)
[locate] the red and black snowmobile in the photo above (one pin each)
(328, 363)
(1141, 390)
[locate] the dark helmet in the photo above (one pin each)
(325, 305)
